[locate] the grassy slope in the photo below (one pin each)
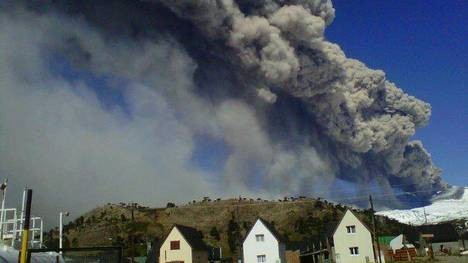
(297, 220)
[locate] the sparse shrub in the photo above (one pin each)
(247, 225)
(233, 234)
(215, 233)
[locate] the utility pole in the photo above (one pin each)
(23, 203)
(132, 237)
(374, 230)
(61, 229)
(27, 221)
(3, 187)
(239, 241)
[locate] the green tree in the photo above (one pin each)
(233, 234)
(215, 233)
(74, 242)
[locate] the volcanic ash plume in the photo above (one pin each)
(293, 112)
(364, 115)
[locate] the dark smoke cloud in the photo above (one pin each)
(295, 113)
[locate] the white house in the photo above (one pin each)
(183, 245)
(263, 244)
(352, 240)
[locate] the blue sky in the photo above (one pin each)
(423, 48)
(420, 46)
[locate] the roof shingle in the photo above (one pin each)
(193, 237)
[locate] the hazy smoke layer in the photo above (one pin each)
(291, 111)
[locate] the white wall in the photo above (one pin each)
(344, 240)
(454, 246)
(397, 242)
(270, 247)
(182, 254)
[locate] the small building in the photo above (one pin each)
(319, 249)
(263, 244)
(183, 245)
(464, 241)
(401, 249)
(293, 256)
(442, 237)
(215, 254)
(352, 240)
(400, 242)
(295, 251)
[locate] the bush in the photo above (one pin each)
(170, 205)
(233, 234)
(215, 233)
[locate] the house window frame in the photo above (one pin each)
(260, 237)
(354, 251)
(175, 245)
(261, 258)
(351, 229)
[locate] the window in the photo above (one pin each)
(261, 258)
(175, 245)
(354, 251)
(260, 238)
(351, 229)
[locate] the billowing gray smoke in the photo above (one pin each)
(293, 111)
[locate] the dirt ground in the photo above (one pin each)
(453, 259)
(446, 259)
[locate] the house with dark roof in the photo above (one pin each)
(263, 244)
(183, 244)
(443, 238)
(352, 240)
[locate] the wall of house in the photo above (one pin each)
(454, 247)
(270, 247)
(463, 244)
(183, 254)
(199, 256)
(344, 240)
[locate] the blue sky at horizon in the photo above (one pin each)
(423, 47)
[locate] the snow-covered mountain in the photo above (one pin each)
(439, 211)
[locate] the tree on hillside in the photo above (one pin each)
(74, 242)
(51, 239)
(215, 233)
(234, 234)
(247, 225)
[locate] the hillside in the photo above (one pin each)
(223, 222)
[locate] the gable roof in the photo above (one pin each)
(269, 227)
(272, 230)
(192, 236)
(354, 214)
(330, 229)
(442, 232)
